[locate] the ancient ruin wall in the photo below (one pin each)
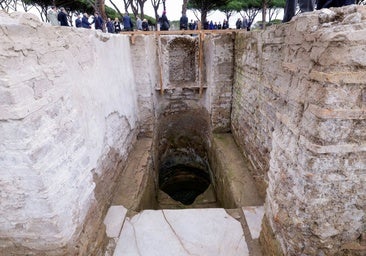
(68, 115)
(170, 75)
(219, 72)
(299, 113)
(146, 72)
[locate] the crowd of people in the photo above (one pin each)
(193, 25)
(60, 18)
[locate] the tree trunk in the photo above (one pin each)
(184, 7)
(142, 4)
(203, 17)
(101, 7)
(264, 11)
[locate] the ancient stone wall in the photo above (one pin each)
(72, 102)
(219, 73)
(170, 77)
(299, 113)
(68, 117)
(146, 71)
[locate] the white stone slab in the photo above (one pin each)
(203, 232)
(254, 216)
(114, 220)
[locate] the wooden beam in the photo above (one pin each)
(160, 64)
(200, 64)
(181, 32)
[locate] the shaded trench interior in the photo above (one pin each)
(181, 158)
(182, 147)
(182, 137)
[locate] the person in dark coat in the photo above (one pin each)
(206, 25)
(85, 21)
(183, 22)
(225, 24)
(78, 21)
(98, 21)
(238, 24)
(62, 17)
(145, 25)
(333, 3)
(164, 22)
(290, 8)
(127, 23)
(110, 26)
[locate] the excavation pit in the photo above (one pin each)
(183, 178)
(183, 167)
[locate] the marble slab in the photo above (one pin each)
(114, 220)
(203, 232)
(254, 216)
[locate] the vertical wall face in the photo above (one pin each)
(255, 102)
(146, 71)
(178, 56)
(171, 65)
(219, 72)
(299, 112)
(67, 119)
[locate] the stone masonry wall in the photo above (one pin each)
(299, 113)
(68, 117)
(180, 92)
(145, 68)
(72, 102)
(219, 73)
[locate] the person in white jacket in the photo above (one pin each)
(52, 16)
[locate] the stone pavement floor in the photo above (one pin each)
(200, 232)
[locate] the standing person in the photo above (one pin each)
(183, 22)
(62, 17)
(110, 26)
(138, 23)
(333, 3)
(165, 25)
(127, 23)
(85, 21)
(206, 25)
(245, 24)
(78, 21)
(98, 21)
(238, 24)
(117, 25)
(52, 16)
(290, 8)
(249, 25)
(225, 24)
(145, 25)
(191, 25)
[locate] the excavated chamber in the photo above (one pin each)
(182, 163)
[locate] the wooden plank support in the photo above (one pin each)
(160, 64)
(132, 37)
(182, 32)
(200, 64)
